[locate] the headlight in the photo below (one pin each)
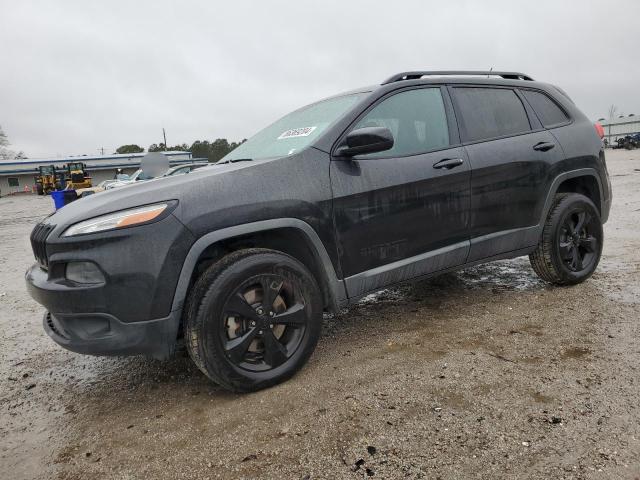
(111, 221)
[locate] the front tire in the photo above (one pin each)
(253, 319)
(571, 244)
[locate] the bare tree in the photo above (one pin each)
(3, 138)
(5, 153)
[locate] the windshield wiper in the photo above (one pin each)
(234, 160)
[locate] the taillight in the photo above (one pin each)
(599, 129)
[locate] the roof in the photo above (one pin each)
(98, 162)
(621, 121)
(415, 75)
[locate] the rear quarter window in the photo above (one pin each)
(549, 113)
(490, 112)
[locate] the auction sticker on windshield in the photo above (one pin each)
(297, 132)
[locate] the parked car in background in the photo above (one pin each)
(182, 169)
(628, 142)
(139, 175)
(124, 179)
(101, 187)
(426, 173)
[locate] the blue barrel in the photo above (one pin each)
(63, 197)
(58, 199)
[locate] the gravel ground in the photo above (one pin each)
(487, 373)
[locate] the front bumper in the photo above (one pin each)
(131, 311)
(102, 334)
(97, 333)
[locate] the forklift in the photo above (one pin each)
(77, 176)
(47, 180)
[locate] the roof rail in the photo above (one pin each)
(419, 74)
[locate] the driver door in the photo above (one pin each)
(404, 212)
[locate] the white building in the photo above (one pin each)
(620, 127)
(19, 176)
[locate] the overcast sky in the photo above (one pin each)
(76, 76)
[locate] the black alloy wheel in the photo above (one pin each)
(570, 246)
(253, 318)
(264, 321)
(578, 242)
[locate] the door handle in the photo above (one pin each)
(543, 146)
(448, 163)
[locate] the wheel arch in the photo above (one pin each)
(288, 235)
(585, 181)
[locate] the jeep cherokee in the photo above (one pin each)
(427, 173)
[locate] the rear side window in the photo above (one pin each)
(490, 112)
(416, 118)
(546, 109)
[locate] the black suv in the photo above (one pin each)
(426, 173)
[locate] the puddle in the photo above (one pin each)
(503, 275)
(388, 294)
(513, 274)
(575, 352)
(540, 398)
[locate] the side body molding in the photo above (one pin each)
(335, 287)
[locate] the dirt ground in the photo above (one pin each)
(487, 373)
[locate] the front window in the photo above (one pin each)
(294, 131)
(416, 118)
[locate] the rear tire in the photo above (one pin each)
(253, 319)
(571, 243)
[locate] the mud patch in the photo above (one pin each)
(405, 372)
(574, 353)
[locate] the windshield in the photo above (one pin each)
(295, 131)
(139, 175)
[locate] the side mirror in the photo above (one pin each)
(366, 140)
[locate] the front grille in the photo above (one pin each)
(38, 243)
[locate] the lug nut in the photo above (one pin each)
(253, 324)
(271, 325)
(260, 332)
(260, 311)
(271, 314)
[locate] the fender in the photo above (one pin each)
(336, 289)
(582, 172)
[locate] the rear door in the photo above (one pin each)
(511, 156)
(403, 213)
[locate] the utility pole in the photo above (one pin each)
(164, 134)
(612, 113)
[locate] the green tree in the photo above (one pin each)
(178, 148)
(156, 147)
(212, 151)
(133, 148)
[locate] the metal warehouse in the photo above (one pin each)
(19, 176)
(619, 127)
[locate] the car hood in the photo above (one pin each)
(149, 192)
